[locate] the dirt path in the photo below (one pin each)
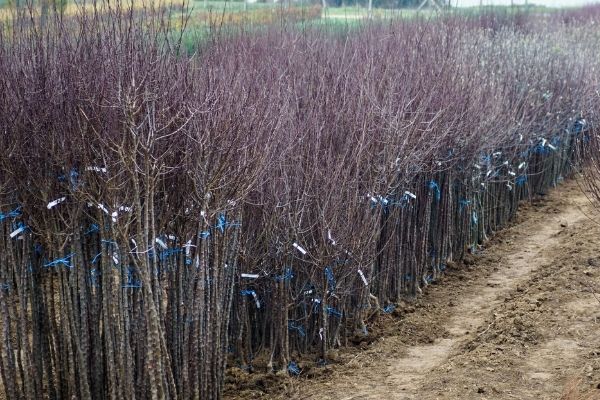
(518, 321)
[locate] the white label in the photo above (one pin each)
(410, 194)
(256, 299)
(103, 208)
(55, 202)
(96, 169)
(17, 232)
(362, 276)
(250, 276)
(300, 249)
(188, 247)
(161, 243)
(330, 238)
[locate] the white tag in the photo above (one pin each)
(55, 202)
(17, 232)
(96, 169)
(114, 216)
(511, 173)
(256, 299)
(321, 330)
(362, 276)
(330, 238)
(125, 208)
(171, 237)
(300, 249)
(522, 165)
(250, 276)
(410, 194)
(188, 247)
(101, 206)
(115, 259)
(161, 243)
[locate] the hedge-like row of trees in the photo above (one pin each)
(161, 211)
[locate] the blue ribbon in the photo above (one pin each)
(293, 368)
(64, 261)
(297, 328)
(288, 275)
(131, 281)
(96, 258)
(222, 223)
(389, 308)
(163, 255)
(332, 311)
(433, 185)
(11, 214)
(578, 126)
(330, 278)
(93, 228)
(74, 178)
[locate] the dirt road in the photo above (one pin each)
(520, 320)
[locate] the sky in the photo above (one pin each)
(549, 3)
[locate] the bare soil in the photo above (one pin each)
(519, 320)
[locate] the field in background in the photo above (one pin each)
(236, 12)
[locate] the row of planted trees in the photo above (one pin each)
(162, 211)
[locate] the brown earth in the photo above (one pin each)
(520, 320)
